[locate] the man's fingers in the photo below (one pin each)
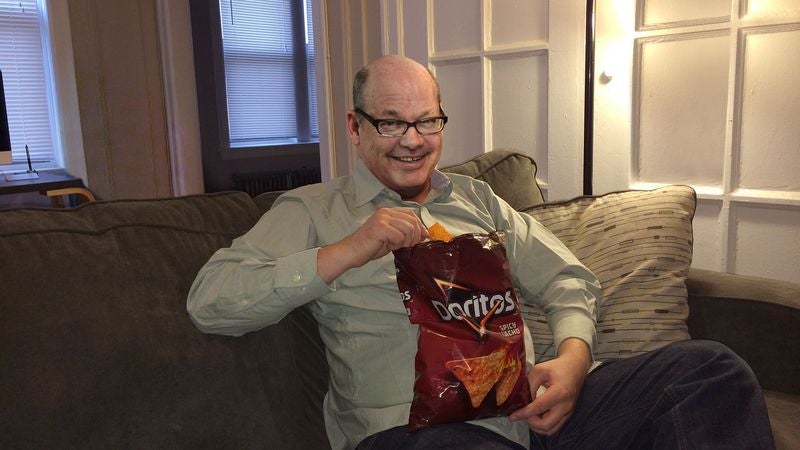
(396, 228)
(402, 234)
(546, 414)
(543, 417)
(549, 423)
(535, 408)
(418, 232)
(405, 232)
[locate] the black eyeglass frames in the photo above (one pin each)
(396, 127)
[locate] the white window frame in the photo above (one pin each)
(59, 68)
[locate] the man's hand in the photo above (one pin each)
(563, 378)
(388, 229)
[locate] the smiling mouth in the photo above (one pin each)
(408, 158)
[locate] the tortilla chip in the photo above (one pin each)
(508, 379)
(479, 375)
(437, 232)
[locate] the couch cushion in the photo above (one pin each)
(784, 416)
(639, 244)
(96, 346)
(511, 175)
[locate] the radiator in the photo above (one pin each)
(258, 183)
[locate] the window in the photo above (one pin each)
(270, 90)
(24, 61)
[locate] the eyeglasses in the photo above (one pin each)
(395, 127)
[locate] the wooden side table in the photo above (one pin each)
(52, 185)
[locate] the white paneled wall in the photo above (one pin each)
(765, 240)
(659, 13)
(694, 92)
(519, 105)
(507, 81)
(493, 75)
(706, 94)
(461, 84)
(770, 110)
(676, 72)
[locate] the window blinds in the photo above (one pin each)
(261, 72)
(24, 79)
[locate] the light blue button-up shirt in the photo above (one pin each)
(370, 344)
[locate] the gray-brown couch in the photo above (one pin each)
(97, 351)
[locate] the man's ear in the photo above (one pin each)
(353, 128)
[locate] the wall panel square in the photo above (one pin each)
(519, 106)
(766, 243)
(770, 117)
(456, 25)
(772, 8)
(678, 138)
(707, 250)
(664, 12)
(462, 91)
(515, 21)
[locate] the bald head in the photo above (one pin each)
(391, 91)
(383, 67)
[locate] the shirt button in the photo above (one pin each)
(297, 276)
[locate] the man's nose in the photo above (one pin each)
(412, 138)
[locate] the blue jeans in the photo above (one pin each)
(686, 395)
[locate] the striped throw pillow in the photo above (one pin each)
(639, 244)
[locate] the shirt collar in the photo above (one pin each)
(368, 186)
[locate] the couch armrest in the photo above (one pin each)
(757, 318)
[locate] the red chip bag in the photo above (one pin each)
(471, 352)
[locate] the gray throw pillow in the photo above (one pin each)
(511, 175)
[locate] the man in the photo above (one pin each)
(328, 246)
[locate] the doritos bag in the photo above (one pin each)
(470, 361)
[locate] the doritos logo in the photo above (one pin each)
(460, 303)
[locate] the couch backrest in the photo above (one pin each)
(96, 347)
(511, 175)
(98, 351)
